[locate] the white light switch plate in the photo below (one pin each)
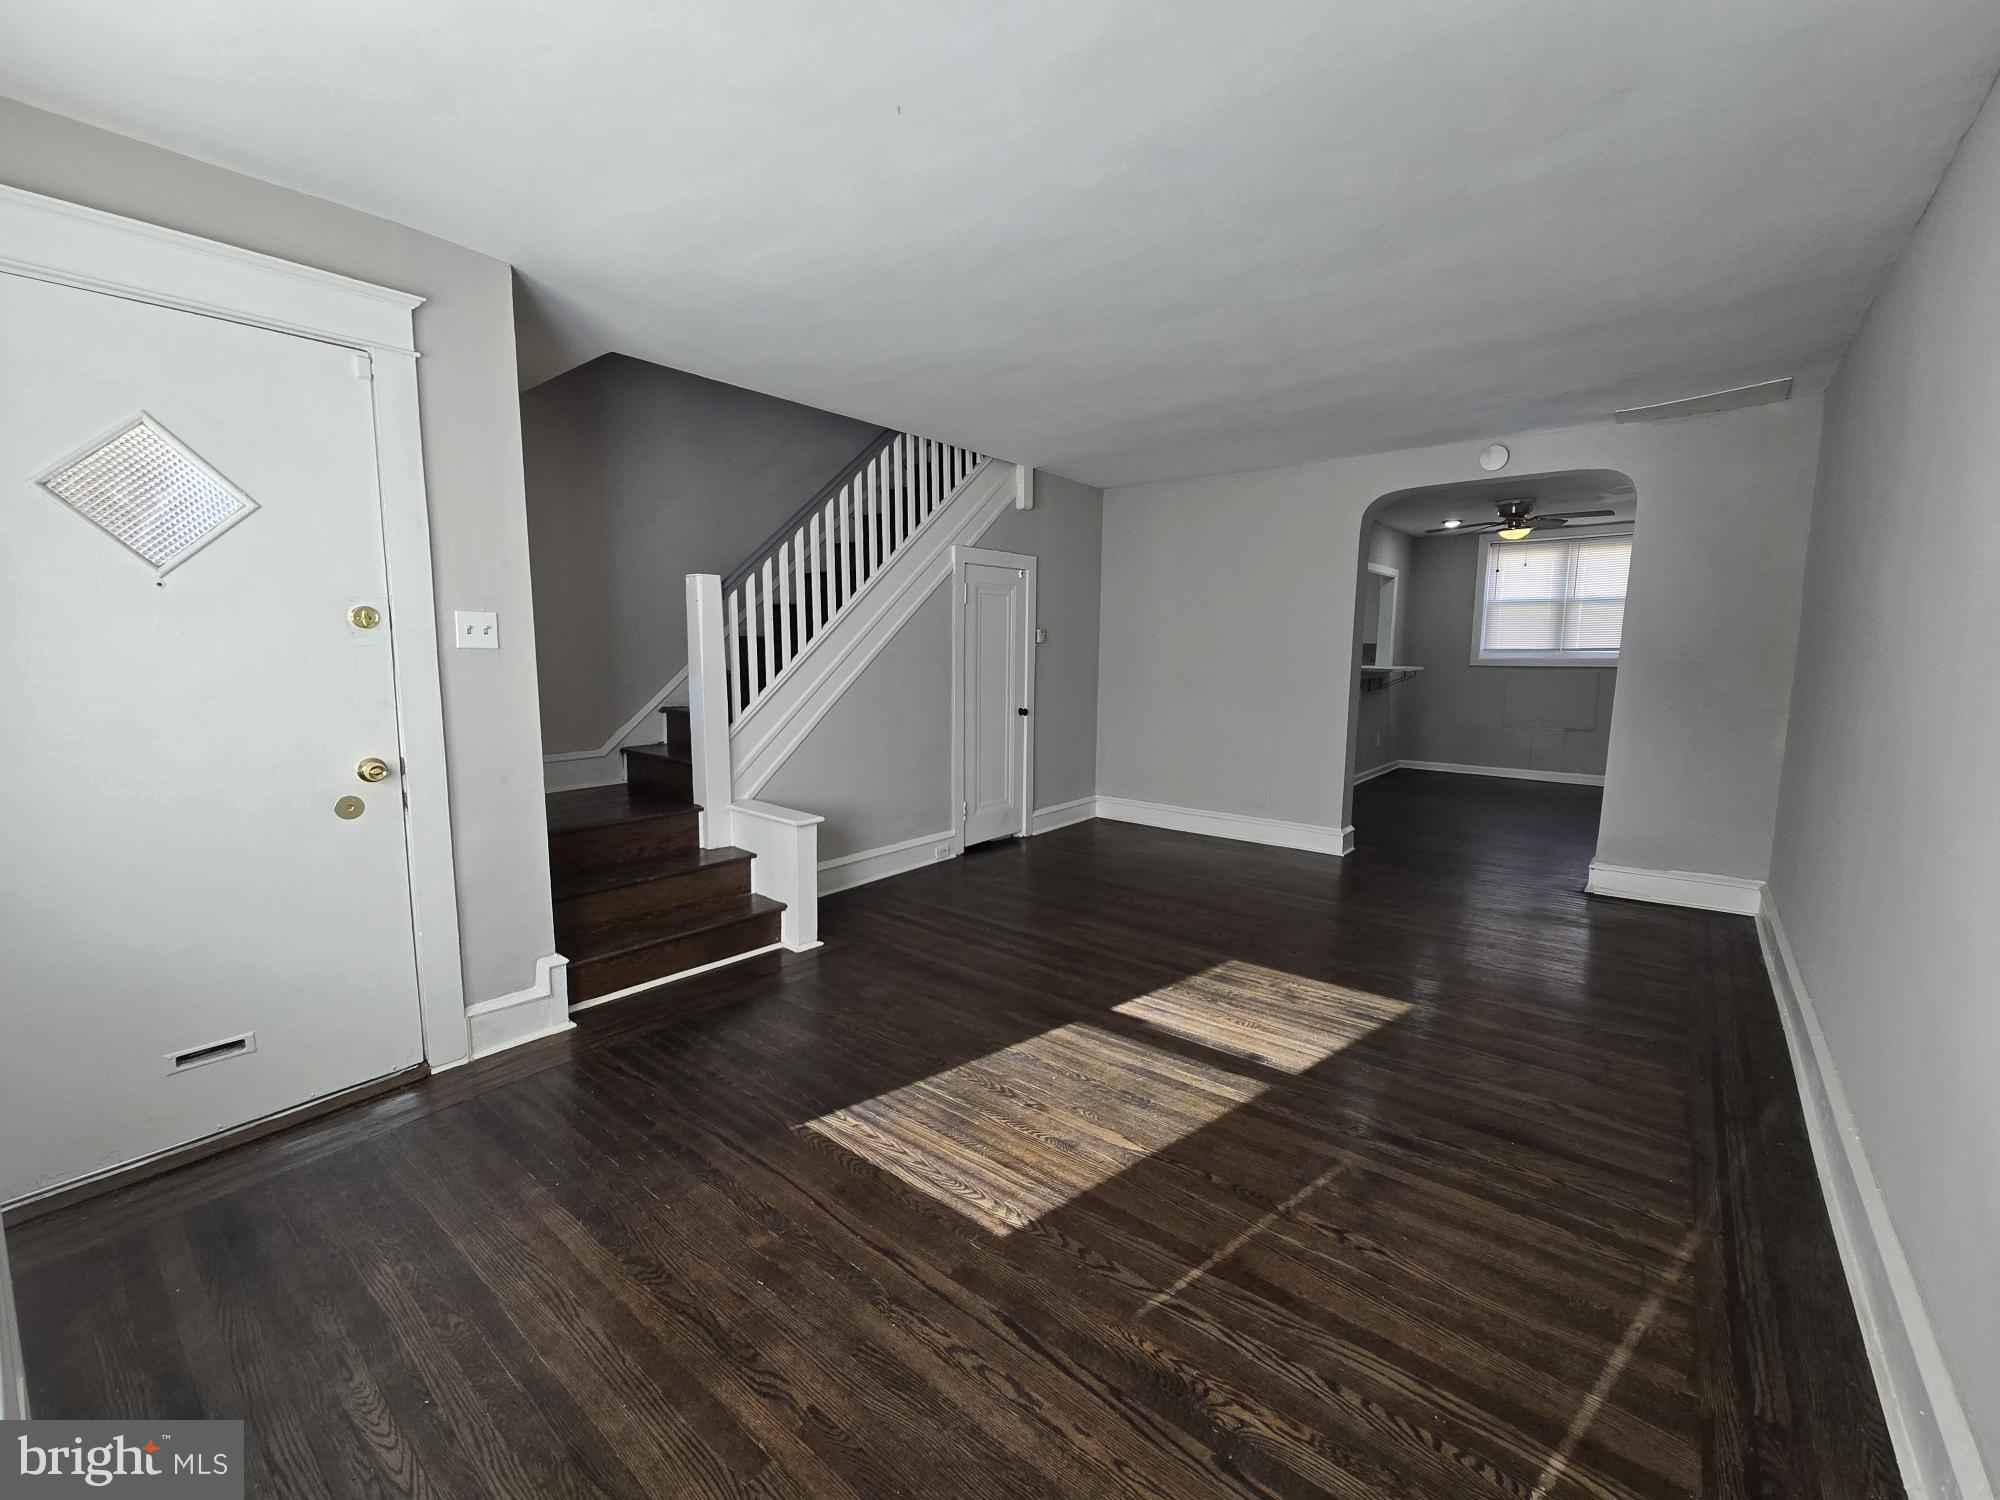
(477, 630)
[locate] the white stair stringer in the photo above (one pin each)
(765, 735)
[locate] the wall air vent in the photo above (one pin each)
(196, 1057)
(1696, 406)
(147, 492)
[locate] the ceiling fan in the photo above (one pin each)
(1518, 520)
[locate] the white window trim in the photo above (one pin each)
(1482, 658)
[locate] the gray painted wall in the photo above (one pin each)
(1883, 870)
(472, 470)
(637, 476)
(1524, 718)
(878, 767)
(1224, 597)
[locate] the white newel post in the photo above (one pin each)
(708, 706)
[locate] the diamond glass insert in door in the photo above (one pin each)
(146, 491)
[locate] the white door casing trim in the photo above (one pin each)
(1933, 1440)
(66, 244)
(963, 557)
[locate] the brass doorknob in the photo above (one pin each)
(374, 768)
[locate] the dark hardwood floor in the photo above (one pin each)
(1118, 1162)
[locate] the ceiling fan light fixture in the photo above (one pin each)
(1515, 533)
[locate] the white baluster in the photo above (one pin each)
(899, 511)
(871, 532)
(801, 629)
(765, 595)
(885, 530)
(857, 544)
(816, 576)
(731, 638)
(845, 545)
(829, 585)
(787, 647)
(909, 470)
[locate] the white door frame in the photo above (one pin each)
(46, 239)
(960, 558)
(1388, 609)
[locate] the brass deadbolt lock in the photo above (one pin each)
(364, 617)
(349, 808)
(373, 769)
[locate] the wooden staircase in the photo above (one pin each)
(636, 896)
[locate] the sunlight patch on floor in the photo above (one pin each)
(1266, 1015)
(1012, 1136)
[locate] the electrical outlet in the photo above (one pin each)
(943, 851)
(1378, 741)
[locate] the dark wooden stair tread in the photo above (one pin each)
(639, 871)
(604, 806)
(658, 752)
(630, 934)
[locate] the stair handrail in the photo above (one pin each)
(788, 528)
(798, 584)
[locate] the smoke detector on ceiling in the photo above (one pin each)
(1494, 458)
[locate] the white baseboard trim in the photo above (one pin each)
(653, 984)
(1315, 838)
(1507, 773)
(13, 1371)
(571, 770)
(1726, 893)
(542, 1009)
(1927, 1422)
(1049, 819)
(850, 870)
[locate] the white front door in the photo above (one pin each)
(994, 674)
(196, 930)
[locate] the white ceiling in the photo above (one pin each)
(1417, 511)
(1120, 241)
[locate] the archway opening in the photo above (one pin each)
(1489, 624)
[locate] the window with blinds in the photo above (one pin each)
(1552, 600)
